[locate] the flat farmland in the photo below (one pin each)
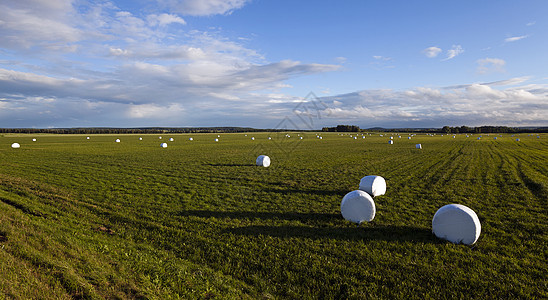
(98, 219)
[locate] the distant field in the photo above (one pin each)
(98, 219)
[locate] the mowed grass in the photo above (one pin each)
(98, 219)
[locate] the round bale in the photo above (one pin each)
(15, 145)
(457, 224)
(373, 185)
(163, 145)
(358, 206)
(263, 160)
(117, 140)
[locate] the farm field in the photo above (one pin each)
(97, 219)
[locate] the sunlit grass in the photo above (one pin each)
(94, 218)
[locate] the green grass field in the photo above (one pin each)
(98, 219)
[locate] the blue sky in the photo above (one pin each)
(80, 63)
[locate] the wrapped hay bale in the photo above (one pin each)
(418, 146)
(163, 145)
(216, 140)
(117, 140)
(358, 206)
(190, 139)
(34, 140)
(373, 185)
(171, 139)
(140, 139)
(457, 224)
(390, 142)
(15, 145)
(263, 160)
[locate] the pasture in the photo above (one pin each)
(98, 219)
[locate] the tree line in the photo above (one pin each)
(338, 128)
(148, 130)
(444, 129)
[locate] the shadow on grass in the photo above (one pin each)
(363, 233)
(291, 216)
(322, 229)
(340, 193)
(231, 165)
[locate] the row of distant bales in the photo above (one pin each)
(354, 136)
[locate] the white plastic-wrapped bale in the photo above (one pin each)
(408, 137)
(263, 161)
(418, 146)
(517, 140)
(117, 140)
(216, 140)
(160, 137)
(190, 139)
(87, 138)
(171, 139)
(252, 138)
(358, 206)
(163, 145)
(15, 145)
(140, 139)
(391, 137)
(390, 142)
(456, 223)
(373, 185)
(34, 140)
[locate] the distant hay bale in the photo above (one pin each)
(263, 161)
(87, 138)
(373, 185)
(216, 140)
(408, 137)
(15, 145)
(517, 140)
(479, 138)
(418, 146)
(34, 140)
(495, 138)
(140, 139)
(163, 145)
(391, 137)
(301, 138)
(171, 139)
(269, 138)
(252, 138)
(117, 140)
(457, 224)
(190, 139)
(321, 137)
(160, 137)
(390, 142)
(358, 206)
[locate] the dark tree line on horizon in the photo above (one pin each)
(445, 129)
(338, 128)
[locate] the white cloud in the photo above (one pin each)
(164, 19)
(487, 65)
(470, 104)
(431, 51)
(515, 38)
(454, 51)
(203, 7)
(381, 58)
(531, 23)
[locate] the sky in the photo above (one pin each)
(273, 64)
